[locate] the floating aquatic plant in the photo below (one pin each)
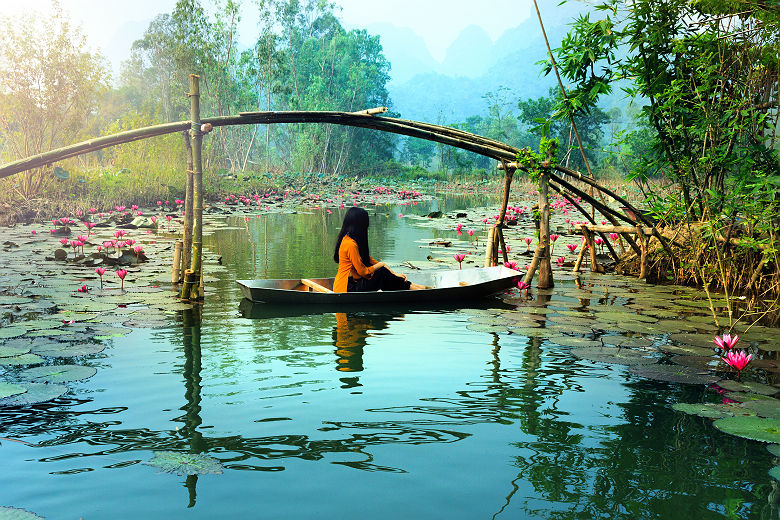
(183, 464)
(9, 389)
(14, 513)
(36, 393)
(755, 428)
(712, 410)
(58, 373)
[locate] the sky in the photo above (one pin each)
(112, 25)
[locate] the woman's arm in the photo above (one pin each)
(357, 263)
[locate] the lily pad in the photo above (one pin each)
(754, 428)
(769, 408)
(9, 389)
(774, 449)
(14, 331)
(183, 464)
(775, 473)
(748, 386)
(620, 356)
(479, 327)
(686, 350)
(701, 362)
(746, 397)
(24, 359)
(674, 374)
(9, 351)
(699, 340)
(68, 349)
(674, 326)
(36, 393)
(14, 513)
(573, 341)
(712, 410)
(626, 341)
(58, 373)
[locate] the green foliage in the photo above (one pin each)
(49, 88)
(548, 116)
(538, 163)
(707, 73)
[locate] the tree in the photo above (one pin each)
(49, 88)
(707, 71)
(536, 114)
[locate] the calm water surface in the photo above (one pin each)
(366, 414)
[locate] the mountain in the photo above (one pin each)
(405, 49)
(466, 55)
(474, 65)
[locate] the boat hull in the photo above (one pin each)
(447, 286)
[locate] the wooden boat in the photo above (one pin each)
(445, 286)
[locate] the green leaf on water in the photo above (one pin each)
(14, 513)
(9, 389)
(185, 463)
(754, 428)
(774, 449)
(68, 349)
(620, 356)
(674, 374)
(36, 393)
(769, 408)
(747, 386)
(58, 373)
(712, 410)
(24, 359)
(9, 351)
(775, 473)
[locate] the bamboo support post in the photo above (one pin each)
(643, 255)
(545, 268)
(188, 204)
(608, 212)
(191, 289)
(501, 246)
(595, 266)
(489, 247)
(177, 263)
(578, 262)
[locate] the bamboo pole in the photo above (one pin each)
(191, 288)
(545, 268)
(501, 246)
(643, 255)
(176, 271)
(595, 266)
(593, 223)
(489, 247)
(578, 262)
(188, 220)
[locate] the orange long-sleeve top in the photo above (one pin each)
(350, 264)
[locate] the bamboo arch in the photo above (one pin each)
(501, 152)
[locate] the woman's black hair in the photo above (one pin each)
(356, 226)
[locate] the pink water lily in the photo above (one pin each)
(121, 273)
(726, 342)
(522, 285)
(82, 289)
(738, 360)
(560, 260)
(572, 248)
(459, 257)
(613, 236)
(100, 272)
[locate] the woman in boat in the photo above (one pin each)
(358, 272)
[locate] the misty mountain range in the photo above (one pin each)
(425, 89)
